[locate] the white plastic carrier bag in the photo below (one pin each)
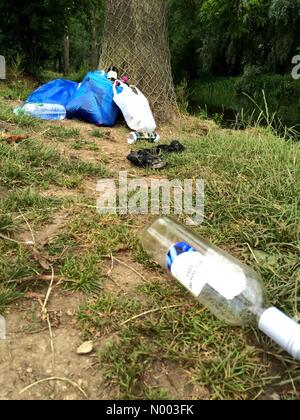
(135, 108)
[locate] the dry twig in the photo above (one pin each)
(127, 266)
(152, 311)
(55, 378)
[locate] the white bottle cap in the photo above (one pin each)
(281, 329)
(157, 138)
(132, 138)
(112, 75)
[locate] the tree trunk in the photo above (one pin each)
(66, 54)
(136, 42)
(94, 42)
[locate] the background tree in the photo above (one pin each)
(136, 42)
(207, 37)
(36, 31)
(223, 38)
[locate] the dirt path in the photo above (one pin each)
(26, 355)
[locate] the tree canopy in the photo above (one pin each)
(222, 38)
(207, 37)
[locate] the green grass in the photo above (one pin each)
(104, 234)
(26, 204)
(7, 296)
(241, 100)
(14, 90)
(32, 163)
(216, 356)
(61, 133)
(100, 134)
(82, 272)
(80, 251)
(85, 145)
(27, 171)
(274, 85)
(6, 223)
(25, 199)
(16, 264)
(104, 314)
(252, 181)
(22, 121)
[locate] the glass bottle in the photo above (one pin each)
(231, 290)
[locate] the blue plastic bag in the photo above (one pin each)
(59, 92)
(93, 101)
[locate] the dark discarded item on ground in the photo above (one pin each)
(145, 159)
(174, 147)
(151, 157)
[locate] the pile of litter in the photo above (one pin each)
(90, 101)
(100, 99)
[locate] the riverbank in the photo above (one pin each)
(241, 99)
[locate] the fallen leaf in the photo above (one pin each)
(14, 138)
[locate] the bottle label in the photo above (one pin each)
(194, 270)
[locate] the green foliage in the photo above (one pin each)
(252, 82)
(276, 86)
(213, 37)
(35, 31)
(207, 37)
(182, 96)
(32, 38)
(241, 100)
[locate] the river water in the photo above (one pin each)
(239, 111)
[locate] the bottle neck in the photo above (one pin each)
(257, 312)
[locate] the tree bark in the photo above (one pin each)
(135, 40)
(66, 53)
